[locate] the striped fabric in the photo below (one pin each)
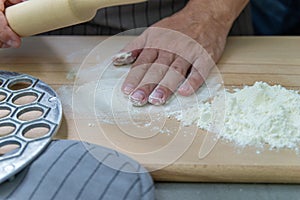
(71, 170)
(113, 20)
(243, 25)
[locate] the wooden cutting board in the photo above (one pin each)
(174, 155)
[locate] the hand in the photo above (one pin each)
(175, 54)
(8, 38)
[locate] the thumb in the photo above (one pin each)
(131, 51)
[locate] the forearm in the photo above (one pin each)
(223, 11)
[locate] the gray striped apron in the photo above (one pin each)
(113, 20)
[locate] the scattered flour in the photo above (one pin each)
(97, 93)
(255, 115)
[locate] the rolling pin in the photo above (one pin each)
(37, 16)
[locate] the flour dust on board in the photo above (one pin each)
(252, 116)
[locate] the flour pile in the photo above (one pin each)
(255, 115)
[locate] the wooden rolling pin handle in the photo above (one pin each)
(38, 16)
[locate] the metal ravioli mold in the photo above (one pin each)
(30, 115)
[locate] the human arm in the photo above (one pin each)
(152, 78)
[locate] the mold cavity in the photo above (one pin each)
(29, 114)
(2, 96)
(6, 128)
(9, 148)
(36, 131)
(20, 84)
(4, 112)
(25, 98)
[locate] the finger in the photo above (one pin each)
(131, 51)
(2, 7)
(169, 84)
(199, 73)
(152, 78)
(3, 45)
(126, 58)
(16, 1)
(12, 2)
(138, 70)
(192, 83)
(7, 36)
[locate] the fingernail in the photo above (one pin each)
(12, 43)
(128, 89)
(185, 88)
(157, 97)
(138, 98)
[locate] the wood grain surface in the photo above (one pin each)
(174, 156)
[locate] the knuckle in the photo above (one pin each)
(179, 69)
(160, 70)
(132, 79)
(165, 58)
(181, 66)
(147, 56)
(138, 69)
(156, 72)
(195, 79)
(140, 63)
